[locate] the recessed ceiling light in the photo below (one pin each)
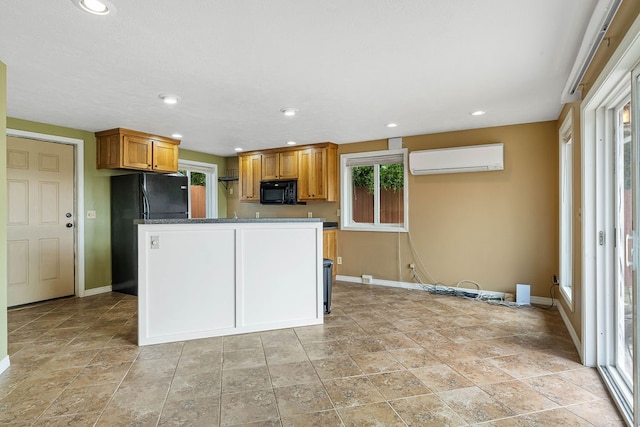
(238, 149)
(169, 99)
(291, 143)
(391, 125)
(289, 111)
(96, 7)
(176, 135)
(478, 113)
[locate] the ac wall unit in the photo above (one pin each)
(474, 158)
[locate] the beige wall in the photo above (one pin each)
(3, 212)
(494, 228)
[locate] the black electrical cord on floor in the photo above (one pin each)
(552, 295)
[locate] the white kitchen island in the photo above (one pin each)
(206, 278)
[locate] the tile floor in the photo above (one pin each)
(384, 357)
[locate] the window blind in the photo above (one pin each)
(383, 159)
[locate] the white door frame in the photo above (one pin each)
(78, 196)
(212, 179)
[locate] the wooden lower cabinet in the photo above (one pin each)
(330, 248)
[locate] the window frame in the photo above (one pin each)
(346, 207)
(566, 211)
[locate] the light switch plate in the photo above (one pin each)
(155, 242)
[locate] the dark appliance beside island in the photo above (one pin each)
(140, 196)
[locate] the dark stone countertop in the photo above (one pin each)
(226, 220)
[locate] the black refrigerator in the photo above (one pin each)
(140, 196)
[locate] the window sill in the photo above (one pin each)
(381, 228)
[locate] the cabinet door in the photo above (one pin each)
(288, 165)
(270, 166)
(330, 248)
(136, 152)
(165, 157)
(250, 173)
(312, 180)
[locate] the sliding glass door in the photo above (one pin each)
(624, 275)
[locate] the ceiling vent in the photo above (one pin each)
(473, 158)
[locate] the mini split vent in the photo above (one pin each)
(474, 158)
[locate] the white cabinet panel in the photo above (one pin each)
(191, 282)
(278, 282)
(211, 279)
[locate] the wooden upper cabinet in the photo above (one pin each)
(137, 152)
(280, 165)
(165, 157)
(317, 174)
(249, 177)
(314, 166)
(128, 149)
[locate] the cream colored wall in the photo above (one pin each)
(495, 228)
(3, 213)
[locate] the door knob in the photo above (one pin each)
(69, 225)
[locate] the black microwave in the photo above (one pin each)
(283, 192)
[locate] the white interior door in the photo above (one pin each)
(40, 232)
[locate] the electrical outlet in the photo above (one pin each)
(155, 242)
(412, 266)
(367, 279)
(257, 214)
(339, 260)
(230, 190)
(338, 212)
(309, 214)
(91, 214)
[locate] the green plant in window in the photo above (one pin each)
(391, 177)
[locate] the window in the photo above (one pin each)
(566, 210)
(203, 201)
(374, 191)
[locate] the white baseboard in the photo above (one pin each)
(544, 301)
(572, 332)
(96, 291)
(4, 364)
(415, 286)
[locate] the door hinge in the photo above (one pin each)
(601, 238)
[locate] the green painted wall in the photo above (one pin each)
(196, 156)
(97, 238)
(3, 212)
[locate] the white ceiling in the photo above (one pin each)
(349, 66)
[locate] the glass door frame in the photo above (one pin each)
(211, 172)
(596, 214)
